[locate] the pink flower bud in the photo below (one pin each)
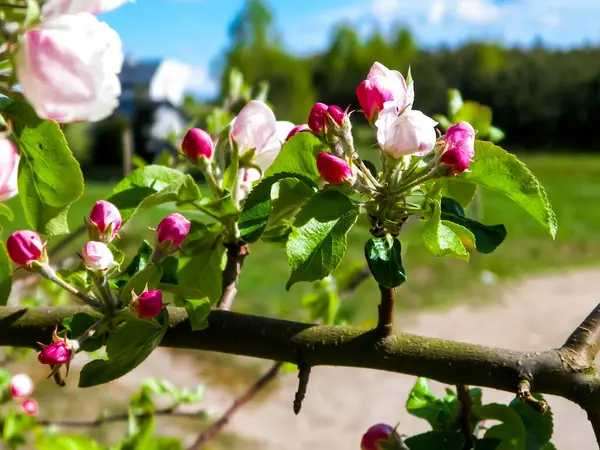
(21, 385)
(334, 170)
(197, 144)
(336, 113)
(105, 221)
(378, 434)
(24, 247)
(173, 228)
(460, 140)
(372, 94)
(9, 168)
(57, 353)
(30, 407)
(97, 256)
(317, 119)
(297, 129)
(148, 305)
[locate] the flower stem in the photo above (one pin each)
(49, 273)
(109, 300)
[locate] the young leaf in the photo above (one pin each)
(258, 205)
(198, 311)
(298, 156)
(455, 102)
(498, 170)
(384, 256)
(149, 276)
(67, 442)
(486, 238)
(126, 348)
(232, 171)
(5, 211)
(442, 239)
(511, 431)
(318, 243)
(203, 270)
(447, 440)
(181, 190)
(141, 183)
(538, 427)
(49, 176)
(441, 413)
(221, 208)
(5, 275)
(461, 191)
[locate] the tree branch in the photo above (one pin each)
(316, 345)
(385, 321)
(462, 392)
(236, 253)
(583, 345)
(216, 427)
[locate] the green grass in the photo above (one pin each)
(573, 185)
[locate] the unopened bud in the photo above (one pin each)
(104, 222)
(30, 407)
(378, 434)
(97, 256)
(460, 142)
(25, 247)
(334, 170)
(317, 119)
(197, 144)
(148, 305)
(21, 385)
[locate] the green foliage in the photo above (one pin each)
(148, 277)
(126, 348)
(511, 432)
(78, 324)
(67, 442)
(318, 243)
(50, 179)
(498, 170)
(384, 256)
(441, 413)
(198, 311)
(298, 156)
(448, 440)
(5, 211)
(442, 237)
(5, 275)
(456, 189)
(538, 427)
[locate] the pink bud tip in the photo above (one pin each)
(173, 228)
(25, 247)
(107, 218)
(317, 119)
(297, 129)
(336, 113)
(21, 385)
(379, 433)
(334, 170)
(196, 144)
(372, 95)
(56, 353)
(30, 407)
(149, 304)
(97, 256)
(460, 141)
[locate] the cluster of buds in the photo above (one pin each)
(20, 389)
(59, 353)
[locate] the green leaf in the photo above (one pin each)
(5, 211)
(486, 238)
(169, 270)
(67, 442)
(318, 243)
(221, 208)
(5, 275)
(455, 102)
(150, 276)
(126, 348)
(198, 311)
(447, 440)
(511, 431)
(203, 270)
(80, 323)
(442, 239)
(181, 190)
(298, 156)
(14, 428)
(441, 413)
(49, 176)
(498, 170)
(495, 134)
(384, 256)
(461, 191)
(480, 116)
(487, 444)
(232, 170)
(140, 260)
(324, 303)
(164, 443)
(538, 426)
(142, 183)
(266, 197)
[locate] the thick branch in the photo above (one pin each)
(236, 253)
(280, 340)
(583, 345)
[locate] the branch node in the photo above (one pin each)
(236, 253)
(303, 377)
(524, 394)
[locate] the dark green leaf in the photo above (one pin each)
(511, 431)
(169, 270)
(142, 183)
(384, 256)
(78, 324)
(298, 156)
(140, 260)
(49, 176)
(538, 426)
(442, 239)
(5, 275)
(318, 243)
(487, 444)
(498, 170)
(5, 211)
(446, 440)
(198, 311)
(486, 238)
(203, 270)
(67, 442)
(126, 348)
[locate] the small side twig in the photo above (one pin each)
(303, 377)
(172, 412)
(355, 282)
(582, 346)
(211, 432)
(466, 424)
(524, 394)
(236, 253)
(385, 322)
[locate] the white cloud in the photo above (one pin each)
(436, 12)
(477, 11)
(201, 84)
(550, 20)
(384, 9)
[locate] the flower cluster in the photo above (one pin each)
(21, 387)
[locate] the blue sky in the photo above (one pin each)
(195, 31)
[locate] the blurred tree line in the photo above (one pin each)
(541, 98)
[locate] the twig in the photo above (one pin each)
(236, 253)
(355, 282)
(582, 346)
(524, 394)
(303, 377)
(462, 392)
(385, 322)
(212, 431)
(117, 418)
